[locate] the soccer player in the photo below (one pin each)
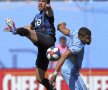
(42, 34)
(71, 60)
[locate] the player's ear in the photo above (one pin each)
(80, 37)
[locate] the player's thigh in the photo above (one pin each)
(32, 36)
(40, 74)
(76, 82)
(44, 40)
(80, 83)
(65, 72)
(42, 61)
(39, 38)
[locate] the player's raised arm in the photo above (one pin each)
(48, 10)
(63, 29)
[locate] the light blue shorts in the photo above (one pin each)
(72, 77)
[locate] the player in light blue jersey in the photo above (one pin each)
(71, 60)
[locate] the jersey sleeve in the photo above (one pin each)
(51, 19)
(71, 33)
(51, 12)
(76, 47)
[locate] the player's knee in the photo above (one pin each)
(22, 31)
(38, 80)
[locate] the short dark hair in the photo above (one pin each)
(48, 1)
(84, 31)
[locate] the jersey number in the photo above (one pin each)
(39, 21)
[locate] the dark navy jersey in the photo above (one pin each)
(41, 20)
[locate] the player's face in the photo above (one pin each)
(86, 39)
(41, 4)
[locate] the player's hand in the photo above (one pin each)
(47, 6)
(52, 79)
(61, 25)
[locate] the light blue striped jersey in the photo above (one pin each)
(77, 49)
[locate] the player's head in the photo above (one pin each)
(42, 3)
(62, 41)
(84, 35)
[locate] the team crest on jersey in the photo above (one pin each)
(38, 22)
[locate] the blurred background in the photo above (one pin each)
(17, 53)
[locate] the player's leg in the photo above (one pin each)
(76, 82)
(38, 37)
(82, 82)
(44, 42)
(42, 65)
(40, 77)
(31, 34)
(65, 72)
(35, 36)
(72, 77)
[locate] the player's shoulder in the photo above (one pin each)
(73, 33)
(37, 15)
(76, 39)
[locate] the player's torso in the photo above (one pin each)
(42, 21)
(75, 61)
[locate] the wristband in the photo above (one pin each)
(55, 73)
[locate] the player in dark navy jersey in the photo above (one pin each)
(42, 34)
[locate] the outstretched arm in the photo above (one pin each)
(63, 29)
(62, 60)
(59, 64)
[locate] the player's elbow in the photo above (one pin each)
(65, 31)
